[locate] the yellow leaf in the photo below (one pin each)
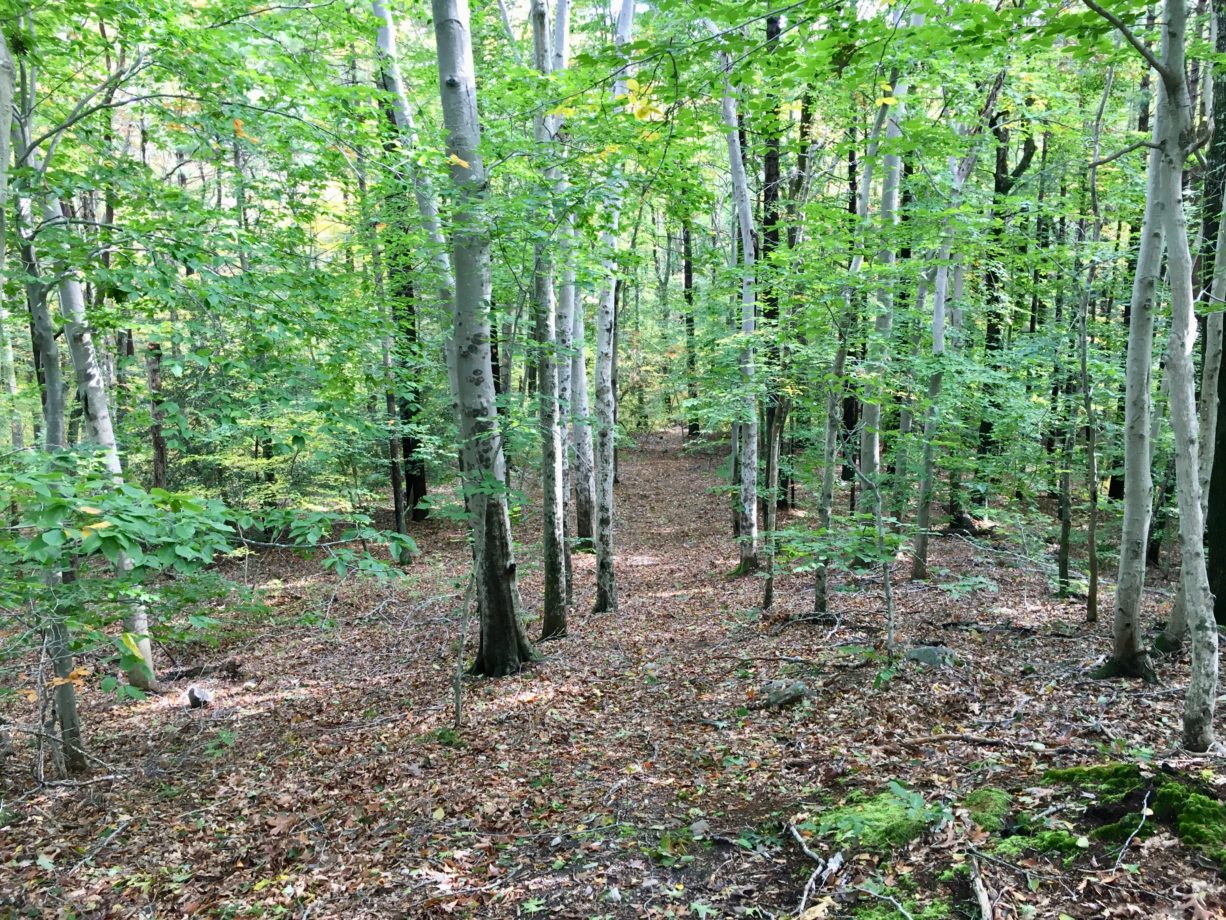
(887, 100)
(89, 509)
(632, 84)
(101, 525)
(438, 814)
(238, 128)
(456, 161)
(31, 695)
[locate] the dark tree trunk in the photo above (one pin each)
(153, 363)
(691, 358)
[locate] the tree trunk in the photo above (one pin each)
(1172, 130)
(830, 459)
(91, 391)
(693, 427)
(1128, 655)
(878, 345)
(400, 268)
(606, 359)
(747, 510)
(157, 440)
(504, 647)
(553, 614)
(961, 170)
(584, 470)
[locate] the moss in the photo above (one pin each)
(884, 910)
(989, 807)
(882, 822)
(1127, 826)
(1117, 779)
(1052, 843)
(1199, 820)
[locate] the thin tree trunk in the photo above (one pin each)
(1171, 128)
(830, 459)
(606, 358)
(693, 428)
(553, 614)
(157, 440)
(747, 511)
(960, 172)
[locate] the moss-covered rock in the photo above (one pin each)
(879, 823)
(989, 807)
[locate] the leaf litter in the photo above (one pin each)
(629, 772)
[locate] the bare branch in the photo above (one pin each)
(1129, 149)
(1168, 77)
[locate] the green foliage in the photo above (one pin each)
(878, 823)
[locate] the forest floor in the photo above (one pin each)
(630, 772)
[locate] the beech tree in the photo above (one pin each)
(504, 646)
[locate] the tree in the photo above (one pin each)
(504, 646)
(606, 360)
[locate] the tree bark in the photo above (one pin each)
(606, 358)
(747, 510)
(693, 428)
(553, 614)
(504, 647)
(157, 440)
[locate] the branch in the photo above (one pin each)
(1127, 843)
(981, 892)
(1163, 71)
(1028, 151)
(1129, 149)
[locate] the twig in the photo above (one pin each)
(1131, 837)
(981, 892)
(885, 897)
(811, 883)
(969, 739)
(102, 846)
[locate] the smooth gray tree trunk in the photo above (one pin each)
(504, 646)
(553, 614)
(606, 357)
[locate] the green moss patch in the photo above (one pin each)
(937, 910)
(1181, 803)
(989, 807)
(1049, 843)
(879, 823)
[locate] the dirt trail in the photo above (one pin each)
(329, 781)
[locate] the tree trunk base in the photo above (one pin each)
(1138, 665)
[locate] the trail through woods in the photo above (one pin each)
(632, 772)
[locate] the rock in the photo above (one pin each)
(199, 697)
(934, 656)
(779, 693)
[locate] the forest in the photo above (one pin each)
(612, 458)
